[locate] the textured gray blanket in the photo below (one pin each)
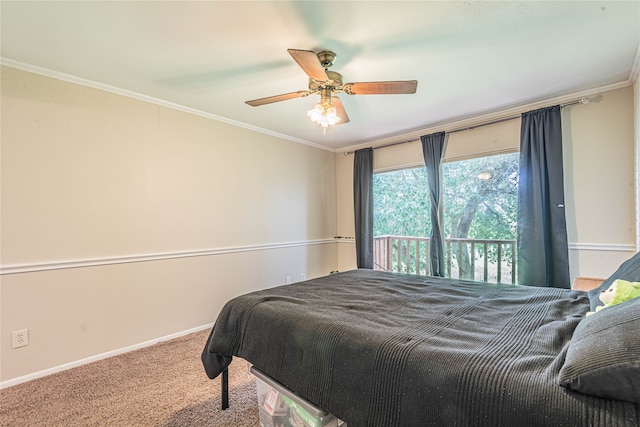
(385, 349)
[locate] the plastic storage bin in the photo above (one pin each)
(280, 407)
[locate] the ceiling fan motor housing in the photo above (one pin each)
(334, 82)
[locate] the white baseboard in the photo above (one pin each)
(66, 366)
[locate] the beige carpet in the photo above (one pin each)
(161, 385)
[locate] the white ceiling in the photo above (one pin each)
(470, 57)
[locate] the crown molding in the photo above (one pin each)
(8, 62)
(474, 121)
(403, 136)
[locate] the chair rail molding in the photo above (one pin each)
(92, 262)
(602, 247)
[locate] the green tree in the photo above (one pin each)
(400, 203)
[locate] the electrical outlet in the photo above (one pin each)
(303, 277)
(20, 338)
(287, 280)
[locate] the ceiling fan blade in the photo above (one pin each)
(308, 61)
(340, 111)
(278, 98)
(381, 88)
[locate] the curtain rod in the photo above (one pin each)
(492, 122)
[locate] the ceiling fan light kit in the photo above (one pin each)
(330, 111)
(324, 113)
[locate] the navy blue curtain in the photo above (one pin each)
(432, 151)
(363, 206)
(543, 254)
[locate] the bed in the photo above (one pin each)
(387, 349)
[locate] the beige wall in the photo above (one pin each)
(600, 182)
(125, 221)
(599, 178)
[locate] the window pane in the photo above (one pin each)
(480, 203)
(401, 203)
(401, 209)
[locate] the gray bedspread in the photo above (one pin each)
(385, 349)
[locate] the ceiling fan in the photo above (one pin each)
(330, 110)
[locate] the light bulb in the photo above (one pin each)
(332, 116)
(323, 115)
(316, 113)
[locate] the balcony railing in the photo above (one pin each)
(486, 260)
